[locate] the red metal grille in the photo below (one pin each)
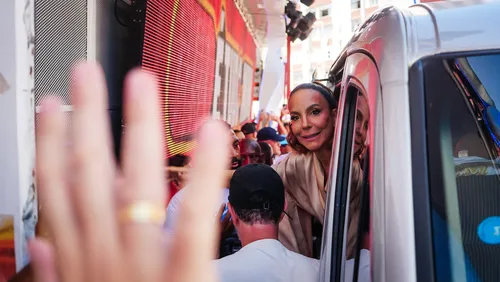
(180, 46)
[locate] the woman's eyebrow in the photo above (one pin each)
(308, 108)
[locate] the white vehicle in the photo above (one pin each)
(424, 84)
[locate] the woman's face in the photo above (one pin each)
(312, 120)
(362, 119)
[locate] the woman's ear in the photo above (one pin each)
(334, 116)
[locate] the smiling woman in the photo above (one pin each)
(313, 110)
(311, 117)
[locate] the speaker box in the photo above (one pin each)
(67, 32)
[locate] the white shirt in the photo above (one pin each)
(280, 158)
(267, 261)
(174, 206)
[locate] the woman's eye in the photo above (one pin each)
(294, 118)
(315, 112)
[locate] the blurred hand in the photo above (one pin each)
(86, 196)
(263, 116)
(274, 117)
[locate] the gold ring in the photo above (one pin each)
(144, 212)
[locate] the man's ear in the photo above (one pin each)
(285, 207)
(234, 216)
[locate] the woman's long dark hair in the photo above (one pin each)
(329, 97)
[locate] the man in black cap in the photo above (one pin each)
(271, 137)
(256, 204)
(250, 130)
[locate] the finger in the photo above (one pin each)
(42, 261)
(143, 169)
(199, 208)
(94, 172)
(54, 199)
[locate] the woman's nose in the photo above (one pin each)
(305, 123)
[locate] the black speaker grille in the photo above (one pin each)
(60, 42)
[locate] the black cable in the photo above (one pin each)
(116, 15)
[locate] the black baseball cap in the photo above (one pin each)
(269, 133)
(257, 180)
(249, 128)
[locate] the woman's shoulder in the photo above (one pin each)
(293, 161)
(280, 158)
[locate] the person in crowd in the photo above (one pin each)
(239, 134)
(285, 149)
(173, 207)
(177, 179)
(250, 130)
(280, 126)
(106, 220)
(267, 153)
(313, 110)
(271, 136)
(266, 119)
(285, 115)
(251, 152)
(257, 204)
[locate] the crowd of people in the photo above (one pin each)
(261, 243)
(243, 209)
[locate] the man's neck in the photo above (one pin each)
(251, 233)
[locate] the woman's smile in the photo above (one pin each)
(310, 137)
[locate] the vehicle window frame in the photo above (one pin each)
(424, 256)
(335, 248)
(343, 179)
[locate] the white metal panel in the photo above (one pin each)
(459, 26)
(17, 145)
(91, 28)
(365, 71)
(384, 37)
